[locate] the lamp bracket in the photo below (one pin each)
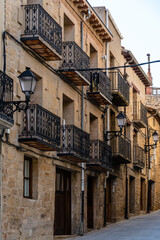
(7, 106)
(111, 134)
(149, 147)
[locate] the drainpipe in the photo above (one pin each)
(126, 201)
(86, 17)
(126, 197)
(2, 65)
(148, 177)
(105, 197)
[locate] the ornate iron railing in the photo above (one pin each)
(100, 152)
(138, 156)
(73, 57)
(121, 146)
(139, 112)
(74, 140)
(6, 94)
(100, 83)
(119, 84)
(39, 122)
(39, 22)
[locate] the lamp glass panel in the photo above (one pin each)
(26, 84)
(155, 137)
(121, 122)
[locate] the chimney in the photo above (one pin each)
(149, 89)
(149, 69)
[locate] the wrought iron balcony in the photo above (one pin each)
(6, 92)
(42, 33)
(75, 144)
(119, 89)
(40, 129)
(73, 57)
(139, 114)
(121, 149)
(100, 88)
(138, 157)
(100, 156)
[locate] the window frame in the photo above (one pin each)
(29, 159)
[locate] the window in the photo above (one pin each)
(30, 189)
(28, 177)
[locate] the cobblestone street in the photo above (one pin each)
(144, 227)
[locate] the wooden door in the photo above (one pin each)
(109, 200)
(142, 194)
(90, 213)
(62, 225)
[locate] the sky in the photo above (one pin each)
(139, 24)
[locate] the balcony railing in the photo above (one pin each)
(42, 33)
(121, 149)
(139, 114)
(100, 156)
(138, 157)
(73, 57)
(6, 94)
(100, 88)
(119, 88)
(75, 144)
(40, 129)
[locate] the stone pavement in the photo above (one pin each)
(143, 227)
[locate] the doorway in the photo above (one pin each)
(109, 187)
(150, 194)
(142, 194)
(131, 194)
(62, 225)
(90, 202)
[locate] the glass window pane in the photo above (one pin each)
(26, 167)
(26, 187)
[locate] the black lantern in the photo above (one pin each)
(121, 118)
(148, 147)
(155, 136)
(28, 82)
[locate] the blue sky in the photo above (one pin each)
(138, 22)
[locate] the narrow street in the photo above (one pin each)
(144, 227)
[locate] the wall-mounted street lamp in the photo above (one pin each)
(28, 83)
(148, 147)
(121, 120)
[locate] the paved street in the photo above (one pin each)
(144, 227)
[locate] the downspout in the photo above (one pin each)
(107, 125)
(2, 22)
(82, 127)
(105, 197)
(126, 197)
(148, 177)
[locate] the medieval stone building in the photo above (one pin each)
(66, 166)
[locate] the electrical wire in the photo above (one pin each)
(55, 71)
(19, 148)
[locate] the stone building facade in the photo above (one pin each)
(62, 173)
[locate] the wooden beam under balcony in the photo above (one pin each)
(38, 144)
(42, 34)
(119, 88)
(40, 129)
(99, 97)
(74, 145)
(76, 77)
(121, 150)
(41, 47)
(100, 156)
(100, 88)
(73, 57)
